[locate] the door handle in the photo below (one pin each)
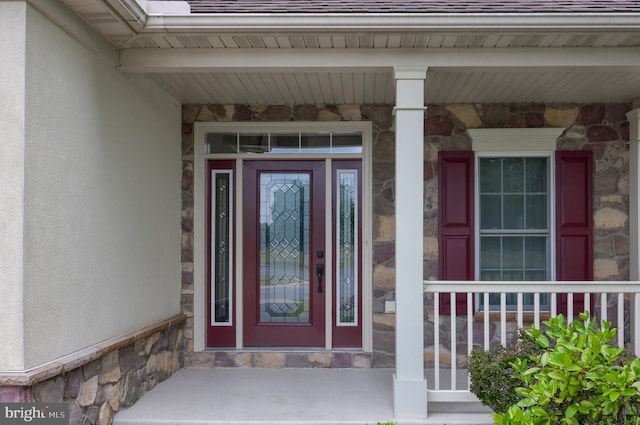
(319, 274)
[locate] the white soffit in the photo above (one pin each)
(172, 60)
(517, 139)
(362, 87)
(297, 59)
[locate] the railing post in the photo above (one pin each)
(635, 329)
(634, 209)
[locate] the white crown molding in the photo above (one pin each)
(515, 139)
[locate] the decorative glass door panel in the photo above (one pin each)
(347, 253)
(284, 214)
(220, 221)
(284, 247)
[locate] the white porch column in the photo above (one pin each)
(410, 386)
(634, 191)
(634, 210)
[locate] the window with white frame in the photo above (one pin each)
(514, 221)
(514, 209)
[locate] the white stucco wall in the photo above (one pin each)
(102, 198)
(12, 99)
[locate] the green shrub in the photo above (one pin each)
(578, 378)
(493, 379)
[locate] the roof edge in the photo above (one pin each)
(490, 22)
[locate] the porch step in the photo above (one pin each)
(279, 359)
(261, 396)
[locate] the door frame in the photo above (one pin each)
(199, 224)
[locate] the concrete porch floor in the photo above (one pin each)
(254, 396)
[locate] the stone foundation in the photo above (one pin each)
(98, 381)
(282, 359)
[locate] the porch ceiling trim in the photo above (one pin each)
(329, 22)
(301, 60)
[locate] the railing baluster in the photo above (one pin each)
(554, 304)
(436, 340)
(620, 319)
(603, 306)
(454, 332)
(536, 309)
(469, 322)
(469, 330)
(520, 311)
(587, 303)
(486, 321)
(636, 329)
(503, 319)
(569, 307)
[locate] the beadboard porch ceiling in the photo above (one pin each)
(285, 59)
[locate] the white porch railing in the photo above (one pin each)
(618, 302)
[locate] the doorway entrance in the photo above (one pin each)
(294, 259)
(284, 244)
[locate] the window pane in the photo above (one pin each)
(513, 212)
(490, 275)
(513, 250)
(254, 143)
(490, 212)
(511, 274)
(536, 170)
(536, 249)
(316, 142)
(540, 275)
(513, 175)
(490, 252)
(221, 143)
(285, 143)
(536, 212)
(513, 258)
(490, 175)
(346, 143)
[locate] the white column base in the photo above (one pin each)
(409, 398)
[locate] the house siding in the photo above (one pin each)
(101, 196)
(602, 128)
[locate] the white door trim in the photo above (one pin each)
(199, 214)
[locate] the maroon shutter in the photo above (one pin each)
(574, 222)
(455, 223)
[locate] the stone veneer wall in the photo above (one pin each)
(602, 128)
(97, 382)
(599, 127)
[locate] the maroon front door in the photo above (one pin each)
(284, 253)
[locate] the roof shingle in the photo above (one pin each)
(415, 6)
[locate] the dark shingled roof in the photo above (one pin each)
(415, 6)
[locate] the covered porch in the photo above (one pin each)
(323, 396)
(222, 396)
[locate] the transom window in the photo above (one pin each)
(283, 142)
(514, 219)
